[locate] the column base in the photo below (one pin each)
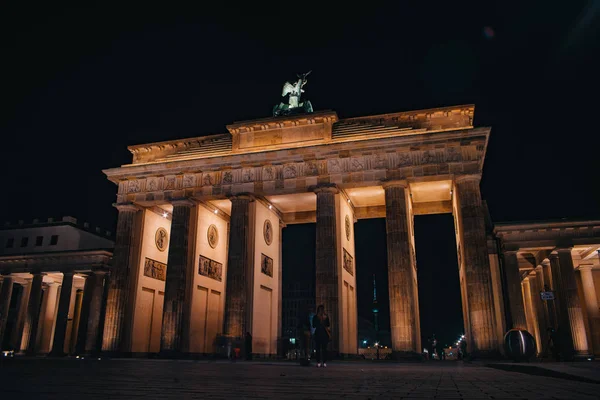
(57, 354)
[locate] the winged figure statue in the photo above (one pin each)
(294, 91)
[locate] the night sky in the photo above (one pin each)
(80, 83)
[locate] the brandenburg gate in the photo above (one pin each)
(198, 252)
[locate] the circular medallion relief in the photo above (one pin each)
(347, 226)
(268, 232)
(213, 236)
(161, 239)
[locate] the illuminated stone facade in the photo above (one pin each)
(286, 170)
(53, 286)
(198, 258)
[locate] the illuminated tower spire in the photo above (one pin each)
(375, 306)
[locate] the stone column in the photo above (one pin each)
(537, 286)
(530, 311)
(48, 318)
(513, 286)
(591, 303)
(33, 311)
(571, 328)
(172, 334)
(238, 264)
(480, 298)
(91, 306)
(403, 313)
(280, 288)
(118, 294)
(5, 296)
(550, 305)
(327, 278)
(62, 316)
(21, 320)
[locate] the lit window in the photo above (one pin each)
(10, 242)
(24, 241)
(54, 240)
(39, 240)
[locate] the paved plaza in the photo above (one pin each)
(165, 379)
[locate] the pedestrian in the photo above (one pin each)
(322, 335)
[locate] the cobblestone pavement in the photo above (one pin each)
(161, 379)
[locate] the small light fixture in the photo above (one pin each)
(450, 192)
(348, 201)
(165, 215)
(270, 207)
(216, 211)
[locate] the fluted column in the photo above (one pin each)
(401, 282)
(172, 334)
(480, 298)
(570, 317)
(530, 311)
(238, 269)
(62, 316)
(21, 321)
(91, 306)
(591, 303)
(327, 278)
(5, 296)
(537, 286)
(33, 311)
(515, 295)
(550, 305)
(118, 293)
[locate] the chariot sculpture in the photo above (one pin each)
(294, 105)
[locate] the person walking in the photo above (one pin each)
(322, 335)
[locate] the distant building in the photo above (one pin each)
(297, 298)
(39, 262)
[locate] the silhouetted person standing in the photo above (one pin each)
(322, 335)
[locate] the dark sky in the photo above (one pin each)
(81, 82)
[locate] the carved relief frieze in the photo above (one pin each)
(404, 159)
(170, 182)
(379, 161)
(290, 171)
(248, 175)
(357, 164)
(334, 166)
(453, 154)
(189, 180)
(227, 177)
(311, 168)
(268, 173)
(134, 186)
(209, 179)
(427, 157)
(152, 184)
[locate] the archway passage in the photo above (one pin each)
(440, 305)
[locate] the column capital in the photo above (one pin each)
(126, 206)
(183, 201)
(403, 183)
(466, 178)
(325, 187)
(585, 267)
(242, 196)
(564, 249)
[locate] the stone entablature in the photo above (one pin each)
(516, 236)
(67, 261)
(356, 162)
(304, 130)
